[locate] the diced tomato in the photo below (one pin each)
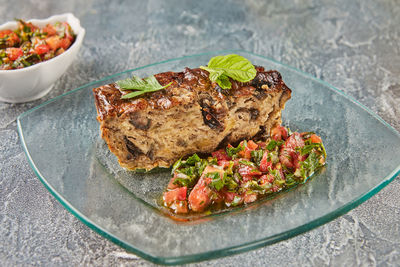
(252, 145)
(220, 155)
(50, 30)
(182, 193)
(171, 184)
(245, 170)
(295, 140)
(68, 31)
(42, 49)
(288, 155)
(279, 133)
(12, 37)
(315, 139)
(200, 197)
(14, 53)
(264, 163)
(177, 194)
(246, 153)
(54, 42)
(65, 43)
(3, 33)
(286, 158)
(248, 198)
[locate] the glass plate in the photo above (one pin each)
(61, 141)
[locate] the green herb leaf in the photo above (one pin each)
(257, 155)
(217, 182)
(146, 85)
(247, 163)
(272, 144)
(232, 66)
(184, 180)
(176, 165)
(232, 151)
(310, 165)
(200, 166)
(193, 159)
(310, 147)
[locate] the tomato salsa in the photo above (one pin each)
(30, 44)
(240, 175)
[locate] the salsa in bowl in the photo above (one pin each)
(35, 53)
(30, 44)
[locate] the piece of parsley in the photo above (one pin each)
(232, 151)
(310, 165)
(273, 144)
(217, 182)
(257, 155)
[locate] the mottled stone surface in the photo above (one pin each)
(354, 45)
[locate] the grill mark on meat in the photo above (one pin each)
(132, 149)
(260, 93)
(210, 116)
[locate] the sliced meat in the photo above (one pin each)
(192, 115)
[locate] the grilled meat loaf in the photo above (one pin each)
(191, 115)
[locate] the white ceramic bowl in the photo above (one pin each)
(33, 82)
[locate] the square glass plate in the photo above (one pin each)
(61, 141)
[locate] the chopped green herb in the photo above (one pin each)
(229, 182)
(232, 151)
(311, 164)
(247, 163)
(257, 155)
(273, 157)
(176, 165)
(193, 159)
(217, 182)
(273, 144)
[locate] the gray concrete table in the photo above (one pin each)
(354, 45)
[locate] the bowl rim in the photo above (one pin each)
(65, 17)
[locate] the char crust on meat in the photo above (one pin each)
(192, 115)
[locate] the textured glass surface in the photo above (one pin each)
(61, 140)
